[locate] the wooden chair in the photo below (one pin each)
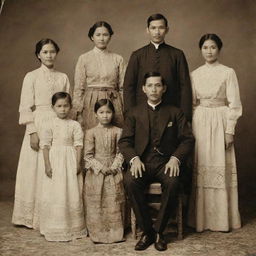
(155, 189)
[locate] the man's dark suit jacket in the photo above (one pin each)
(175, 133)
(171, 64)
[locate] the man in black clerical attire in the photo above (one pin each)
(158, 56)
(155, 142)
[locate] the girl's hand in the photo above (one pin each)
(48, 171)
(105, 171)
(113, 171)
(34, 141)
(229, 140)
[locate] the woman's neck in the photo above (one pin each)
(212, 63)
(50, 68)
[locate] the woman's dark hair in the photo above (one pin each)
(99, 24)
(104, 102)
(212, 37)
(61, 95)
(41, 43)
(153, 74)
(157, 16)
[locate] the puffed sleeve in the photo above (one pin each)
(89, 151)
(234, 102)
(80, 84)
(194, 97)
(46, 135)
(78, 135)
(27, 102)
(119, 159)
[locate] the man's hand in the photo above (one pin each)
(137, 168)
(173, 166)
(229, 140)
(34, 141)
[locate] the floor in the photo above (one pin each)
(25, 242)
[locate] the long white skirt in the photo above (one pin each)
(28, 180)
(61, 205)
(214, 199)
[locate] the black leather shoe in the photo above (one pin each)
(145, 241)
(160, 243)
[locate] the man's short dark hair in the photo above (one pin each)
(157, 16)
(153, 74)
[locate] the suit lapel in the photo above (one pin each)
(164, 115)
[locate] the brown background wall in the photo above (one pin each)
(24, 22)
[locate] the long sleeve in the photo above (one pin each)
(185, 86)
(80, 84)
(234, 103)
(194, 97)
(46, 135)
(127, 140)
(121, 74)
(78, 135)
(130, 82)
(119, 159)
(27, 101)
(89, 151)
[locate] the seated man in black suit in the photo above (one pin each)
(156, 140)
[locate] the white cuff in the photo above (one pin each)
(176, 159)
(131, 161)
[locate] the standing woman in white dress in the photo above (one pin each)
(35, 108)
(217, 106)
(99, 74)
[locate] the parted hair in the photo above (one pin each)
(212, 37)
(61, 95)
(99, 24)
(44, 41)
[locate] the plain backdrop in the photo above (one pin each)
(24, 22)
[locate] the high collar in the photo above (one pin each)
(153, 106)
(211, 65)
(45, 69)
(157, 45)
(99, 51)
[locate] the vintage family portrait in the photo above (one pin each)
(127, 127)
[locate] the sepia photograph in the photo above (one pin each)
(127, 127)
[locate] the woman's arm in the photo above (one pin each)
(121, 74)
(27, 102)
(79, 87)
(234, 107)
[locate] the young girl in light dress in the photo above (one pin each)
(61, 213)
(104, 192)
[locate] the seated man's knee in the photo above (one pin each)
(129, 180)
(170, 183)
